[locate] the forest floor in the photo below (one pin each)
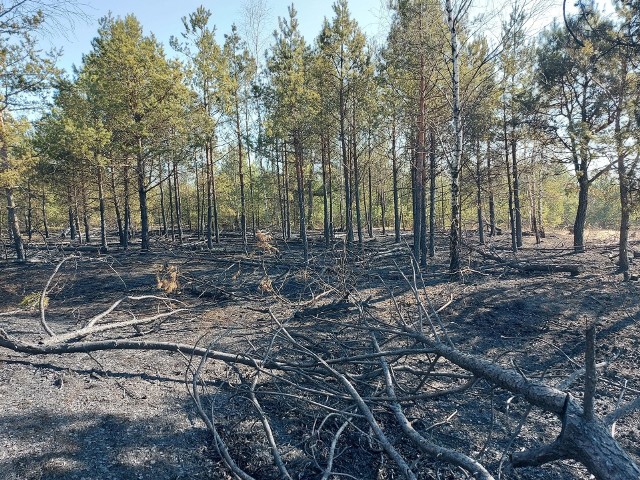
(128, 414)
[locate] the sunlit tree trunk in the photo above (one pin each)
(454, 167)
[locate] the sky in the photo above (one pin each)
(163, 19)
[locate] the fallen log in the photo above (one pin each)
(573, 269)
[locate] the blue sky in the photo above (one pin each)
(163, 18)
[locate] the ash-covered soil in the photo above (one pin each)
(121, 414)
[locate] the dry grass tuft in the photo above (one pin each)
(265, 285)
(264, 242)
(31, 301)
(167, 278)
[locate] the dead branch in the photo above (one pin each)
(623, 411)
(427, 447)
(362, 406)
(43, 296)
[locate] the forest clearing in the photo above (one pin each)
(238, 253)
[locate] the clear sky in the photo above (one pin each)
(163, 18)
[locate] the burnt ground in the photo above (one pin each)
(128, 414)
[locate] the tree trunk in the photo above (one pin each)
(512, 220)
(163, 213)
(432, 192)
(76, 216)
(479, 194)
(454, 240)
(383, 210)
(178, 203)
(280, 183)
(356, 176)
(539, 205)
(116, 205)
(581, 213)
(346, 166)
(419, 170)
(12, 218)
(370, 218)
(325, 193)
(297, 147)
(142, 195)
(309, 217)
(71, 215)
(287, 206)
(212, 207)
(516, 193)
(44, 213)
(394, 167)
(85, 214)
(29, 212)
(127, 208)
(198, 200)
(243, 207)
(14, 225)
(101, 206)
(532, 206)
(492, 205)
(623, 179)
(255, 219)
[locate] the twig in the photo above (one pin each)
(332, 449)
